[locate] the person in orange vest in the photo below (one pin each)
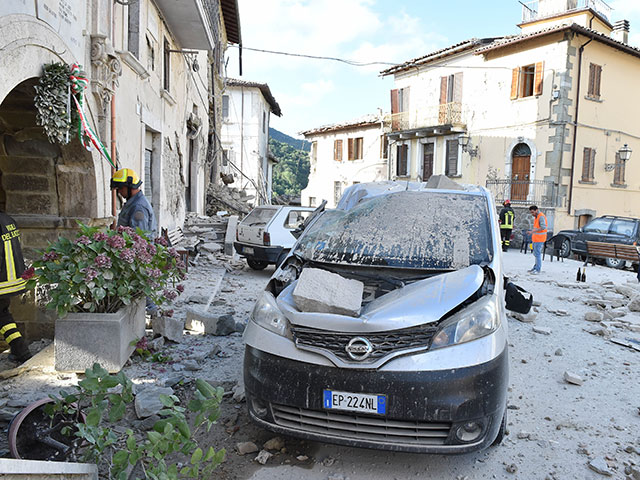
(538, 237)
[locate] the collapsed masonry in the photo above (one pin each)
(221, 198)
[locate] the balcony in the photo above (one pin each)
(542, 193)
(191, 22)
(446, 115)
(538, 9)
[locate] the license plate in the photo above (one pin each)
(248, 250)
(355, 402)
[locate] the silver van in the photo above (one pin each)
(422, 365)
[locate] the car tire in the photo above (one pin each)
(256, 264)
(502, 431)
(615, 263)
(565, 248)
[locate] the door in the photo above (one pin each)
(521, 166)
(594, 231)
(427, 161)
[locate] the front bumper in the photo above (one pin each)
(424, 409)
(261, 254)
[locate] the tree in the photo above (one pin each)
(291, 173)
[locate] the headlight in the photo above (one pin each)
(476, 321)
(267, 314)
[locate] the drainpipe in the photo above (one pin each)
(113, 153)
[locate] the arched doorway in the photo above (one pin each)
(520, 171)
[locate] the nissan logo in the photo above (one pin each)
(359, 348)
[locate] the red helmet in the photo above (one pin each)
(506, 202)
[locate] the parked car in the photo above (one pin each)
(608, 228)
(423, 367)
(265, 237)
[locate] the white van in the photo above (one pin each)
(265, 236)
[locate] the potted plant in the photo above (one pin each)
(98, 283)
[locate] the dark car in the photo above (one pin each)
(609, 229)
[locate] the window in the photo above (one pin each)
(451, 160)
(595, 73)
(588, 164)
(450, 92)
(355, 148)
(527, 81)
(225, 107)
(402, 160)
(133, 29)
(296, 218)
(623, 227)
(151, 55)
(264, 122)
(399, 104)
(384, 146)
(598, 225)
(337, 150)
(337, 192)
(618, 173)
(166, 66)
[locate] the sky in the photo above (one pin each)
(314, 92)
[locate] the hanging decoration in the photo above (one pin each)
(61, 86)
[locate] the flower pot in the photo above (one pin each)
(82, 339)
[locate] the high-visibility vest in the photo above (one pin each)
(540, 236)
(11, 260)
(508, 220)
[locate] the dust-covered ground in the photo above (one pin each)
(556, 429)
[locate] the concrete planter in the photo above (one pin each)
(82, 339)
(33, 469)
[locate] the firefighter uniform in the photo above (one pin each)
(11, 283)
(507, 218)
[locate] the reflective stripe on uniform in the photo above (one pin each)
(11, 266)
(8, 327)
(12, 287)
(12, 337)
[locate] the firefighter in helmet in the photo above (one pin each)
(137, 211)
(507, 219)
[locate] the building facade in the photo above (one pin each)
(152, 67)
(540, 118)
(344, 154)
(246, 114)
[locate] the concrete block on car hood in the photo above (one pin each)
(326, 292)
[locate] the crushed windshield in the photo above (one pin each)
(427, 230)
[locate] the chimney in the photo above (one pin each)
(621, 31)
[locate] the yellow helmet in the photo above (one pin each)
(125, 177)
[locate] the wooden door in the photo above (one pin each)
(427, 162)
(520, 169)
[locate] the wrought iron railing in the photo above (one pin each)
(531, 10)
(434, 115)
(542, 193)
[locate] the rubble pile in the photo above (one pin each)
(221, 198)
(205, 234)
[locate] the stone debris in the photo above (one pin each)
(321, 291)
(168, 327)
(302, 458)
(573, 378)
(600, 465)
(276, 443)
(156, 344)
(148, 402)
(524, 318)
(210, 323)
(511, 468)
(542, 330)
(244, 448)
(634, 345)
(558, 352)
(191, 365)
(224, 198)
(634, 305)
(238, 392)
(263, 457)
(593, 316)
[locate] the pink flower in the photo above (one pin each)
(99, 236)
(82, 240)
(168, 313)
(28, 273)
(127, 230)
(169, 294)
(90, 274)
(161, 241)
(128, 255)
(173, 252)
(116, 241)
(154, 272)
(50, 256)
(102, 261)
(180, 288)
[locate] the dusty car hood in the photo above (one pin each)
(421, 302)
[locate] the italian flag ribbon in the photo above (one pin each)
(87, 136)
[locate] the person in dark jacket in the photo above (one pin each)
(137, 211)
(11, 284)
(507, 219)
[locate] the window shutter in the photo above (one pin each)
(443, 90)
(452, 158)
(586, 158)
(592, 76)
(405, 100)
(598, 75)
(457, 87)
(592, 164)
(515, 78)
(350, 148)
(394, 101)
(537, 88)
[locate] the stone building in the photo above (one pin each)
(154, 70)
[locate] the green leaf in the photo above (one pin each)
(117, 412)
(210, 454)
(197, 456)
(93, 417)
(120, 457)
(154, 437)
(166, 400)
(131, 442)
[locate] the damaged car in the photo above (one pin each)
(385, 326)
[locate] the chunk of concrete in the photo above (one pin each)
(209, 323)
(542, 330)
(599, 465)
(634, 305)
(573, 378)
(148, 402)
(230, 235)
(321, 291)
(593, 316)
(443, 182)
(244, 448)
(168, 327)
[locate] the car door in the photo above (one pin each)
(594, 231)
(622, 230)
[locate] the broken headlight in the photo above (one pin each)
(475, 321)
(267, 314)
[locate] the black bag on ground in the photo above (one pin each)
(515, 300)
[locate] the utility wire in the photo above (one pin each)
(317, 57)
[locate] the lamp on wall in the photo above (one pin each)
(624, 154)
(467, 146)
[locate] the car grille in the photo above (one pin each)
(360, 427)
(384, 343)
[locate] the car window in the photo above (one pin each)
(622, 227)
(296, 218)
(598, 225)
(259, 216)
(429, 230)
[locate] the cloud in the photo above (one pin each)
(625, 8)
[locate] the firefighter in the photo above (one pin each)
(507, 219)
(137, 211)
(11, 283)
